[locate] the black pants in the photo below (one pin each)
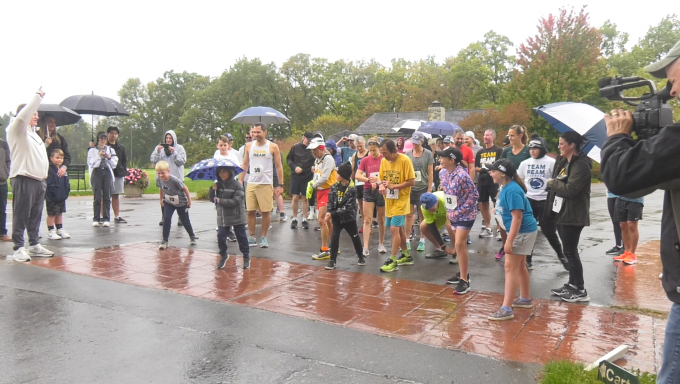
(241, 236)
(101, 181)
(179, 219)
(611, 205)
(570, 235)
(3, 209)
(168, 211)
(547, 225)
(352, 231)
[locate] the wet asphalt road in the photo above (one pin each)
(61, 327)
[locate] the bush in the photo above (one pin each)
(596, 171)
(202, 194)
(558, 372)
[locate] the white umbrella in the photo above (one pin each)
(408, 126)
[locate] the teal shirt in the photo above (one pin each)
(518, 158)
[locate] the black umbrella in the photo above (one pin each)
(94, 105)
(63, 115)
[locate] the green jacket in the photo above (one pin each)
(574, 187)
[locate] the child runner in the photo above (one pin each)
(433, 206)
(520, 226)
(324, 178)
(342, 211)
(461, 208)
(368, 172)
(174, 197)
(229, 198)
(58, 188)
(226, 152)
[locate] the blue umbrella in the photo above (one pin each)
(263, 115)
(207, 169)
(581, 118)
(442, 128)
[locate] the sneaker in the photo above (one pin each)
(330, 265)
(436, 254)
(322, 255)
(21, 255)
(251, 241)
(446, 238)
(106, 224)
(498, 235)
(39, 251)
(164, 245)
(421, 246)
(469, 240)
(390, 266)
(408, 245)
(310, 216)
(462, 288)
(621, 256)
(405, 260)
(530, 266)
(500, 254)
(160, 223)
(293, 224)
(317, 229)
(264, 243)
(231, 237)
(374, 224)
(53, 235)
(223, 261)
(381, 248)
(486, 232)
(615, 250)
(519, 303)
(283, 217)
(631, 259)
(455, 279)
(120, 220)
(258, 215)
(362, 261)
(96, 223)
(454, 259)
(366, 252)
(501, 314)
(64, 235)
(246, 262)
(574, 295)
(561, 290)
(193, 240)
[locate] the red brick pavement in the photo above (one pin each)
(419, 312)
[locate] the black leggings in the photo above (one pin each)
(611, 205)
(547, 226)
(570, 235)
(352, 231)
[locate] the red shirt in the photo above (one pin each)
(468, 155)
(370, 165)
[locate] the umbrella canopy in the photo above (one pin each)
(94, 105)
(442, 128)
(408, 126)
(581, 118)
(260, 114)
(207, 169)
(63, 115)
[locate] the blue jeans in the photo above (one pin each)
(168, 211)
(670, 360)
(241, 236)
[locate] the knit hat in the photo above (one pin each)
(345, 170)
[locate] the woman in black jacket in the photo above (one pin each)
(53, 140)
(569, 202)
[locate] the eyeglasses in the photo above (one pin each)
(248, 138)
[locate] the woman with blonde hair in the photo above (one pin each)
(518, 151)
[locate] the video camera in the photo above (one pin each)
(651, 113)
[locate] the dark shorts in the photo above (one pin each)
(415, 196)
(486, 192)
(628, 211)
(360, 192)
(374, 196)
(299, 186)
(55, 209)
(462, 225)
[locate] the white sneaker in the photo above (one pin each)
(106, 224)
(381, 248)
(21, 255)
(39, 251)
(367, 252)
(95, 223)
(64, 235)
(53, 235)
(311, 215)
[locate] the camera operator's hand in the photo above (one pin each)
(620, 121)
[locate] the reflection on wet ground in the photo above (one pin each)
(416, 311)
(639, 285)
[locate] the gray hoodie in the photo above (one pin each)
(176, 160)
(4, 162)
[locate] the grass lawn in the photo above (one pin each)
(562, 372)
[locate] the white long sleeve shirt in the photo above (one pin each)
(27, 150)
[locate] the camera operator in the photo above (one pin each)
(629, 166)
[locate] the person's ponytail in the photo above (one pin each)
(519, 181)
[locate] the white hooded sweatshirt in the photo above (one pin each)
(27, 150)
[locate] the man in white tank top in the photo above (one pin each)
(259, 158)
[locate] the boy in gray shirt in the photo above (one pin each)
(174, 197)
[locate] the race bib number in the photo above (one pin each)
(418, 176)
(374, 174)
(557, 204)
(498, 215)
(392, 194)
(256, 171)
(358, 183)
(172, 199)
(451, 201)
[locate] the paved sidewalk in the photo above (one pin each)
(416, 311)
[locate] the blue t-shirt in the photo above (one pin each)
(640, 200)
(512, 197)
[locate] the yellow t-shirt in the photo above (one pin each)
(396, 172)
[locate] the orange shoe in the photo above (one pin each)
(621, 257)
(631, 259)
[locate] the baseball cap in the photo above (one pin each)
(428, 200)
(417, 138)
(448, 139)
(308, 135)
(504, 165)
(535, 144)
(101, 134)
(658, 69)
(229, 136)
(316, 143)
(353, 137)
(470, 134)
(506, 140)
(452, 153)
(113, 128)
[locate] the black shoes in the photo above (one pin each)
(246, 262)
(119, 220)
(456, 279)
(616, 251)
(362, 260)
(330, 265)
(305, 225)
(223, 261)
(231, 237)
(293, 224)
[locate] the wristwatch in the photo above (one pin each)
(280, 185)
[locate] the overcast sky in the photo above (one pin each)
(72, 47)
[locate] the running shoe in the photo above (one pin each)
(500, 254)
(530, 266)
(630, 259)
(120, 220)
(621, 257)
(390, 266)
(455, 279)
(574, 295)
(561, 290)
(246, 262)
(330, 265)
(164, 245)
(251, 241)
(362, 261)
(96, 223)
(258, 215)
(469, 240)
(436, 254)
(381, 248)
(282, 217)
(311, 215)
(106, 224)
(64, 235)
(521, 303)
(323, 255)
(421, 246)
(501, 314)
(405, 260)
(317, 229)
(231, 237)
(366, 252)
(53, 235)
(264, 243)
(304, 224)
(454, 259)
(223, 261)
(39, 251)
(615, 250)
(293, 224)
(21, 255)
(462, 288)
(486, 232)
(374, 224)
(193, 240)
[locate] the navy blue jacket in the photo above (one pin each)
(58, 188)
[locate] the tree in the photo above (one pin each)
(497, 60)
(328, 125)
(498, 120)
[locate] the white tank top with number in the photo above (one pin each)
(261, 164)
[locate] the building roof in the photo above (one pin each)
(382, 123)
